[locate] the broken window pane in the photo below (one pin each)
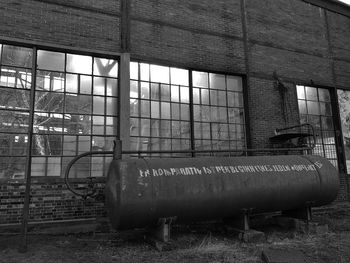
(17, 56)
(14, 99)
(14, 121)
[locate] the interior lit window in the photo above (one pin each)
(315, 108)
(15, 84)
(75, 112)
(160, 109)
(218, 112)
(344, 110)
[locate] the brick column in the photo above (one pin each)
(124, 103)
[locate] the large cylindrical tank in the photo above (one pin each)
(140, 191)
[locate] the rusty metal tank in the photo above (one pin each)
(141, 191)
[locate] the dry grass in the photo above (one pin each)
(191, 244)
(221, 250)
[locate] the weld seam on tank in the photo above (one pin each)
(319, 173)
(317, 170)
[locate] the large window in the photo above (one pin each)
(15, 84)
(344, 110)
(75, 111)
(160, 108)
(218, 112)
(315, 108)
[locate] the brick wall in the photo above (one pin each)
(266, 110)
(343, 194)
(196, 34)
(289, 25)
(339, 35)
(212, 17)
(291, 39)
(339, 27)
(155, 42)
(301, 67)
(342, 73)
(50, 201)
(82, 24)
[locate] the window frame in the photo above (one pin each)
(190, 70)
(338, 135)
(117, 56)
(34, 69)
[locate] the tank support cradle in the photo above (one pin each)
(299, 220)
(303, 213)
(159, 236)
(162, 231)
(241, 222)
(241, 225)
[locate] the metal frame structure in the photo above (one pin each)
(327, 117)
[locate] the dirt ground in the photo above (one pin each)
(196, 244)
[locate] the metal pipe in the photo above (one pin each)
(25, 216)
(300, 126)
(221, 151)
(296, 126)
(66, 175)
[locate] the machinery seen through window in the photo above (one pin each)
(75, 110)
(315, 108)
(161, 99)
